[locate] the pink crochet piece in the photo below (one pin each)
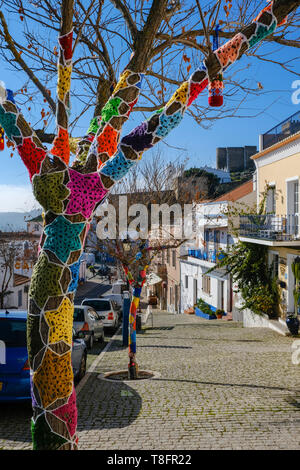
(68, 413)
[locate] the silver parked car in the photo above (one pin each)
(107, 310)
(117, 298)
(87, 320)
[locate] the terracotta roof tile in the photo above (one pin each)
(19, 279)
(237, 193)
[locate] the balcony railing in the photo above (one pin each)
(205, 255)
(270, 227)
(286, 128)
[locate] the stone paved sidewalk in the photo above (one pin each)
(221, 386)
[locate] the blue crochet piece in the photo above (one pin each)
(8, 122)
(167, 123)
(63, 237)
(117, 167)
(261, 33)
(10, 96)
(74, 268)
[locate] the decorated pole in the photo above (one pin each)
(137, 289)
(70, 195)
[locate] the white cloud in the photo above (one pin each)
(17, 198)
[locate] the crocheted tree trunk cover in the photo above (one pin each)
(69, 197)
(137, 285)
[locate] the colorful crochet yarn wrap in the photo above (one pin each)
(69, 197)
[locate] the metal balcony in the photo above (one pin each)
(270, 227)
(205, 255)
(283, 130)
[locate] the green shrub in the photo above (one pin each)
(204, 307)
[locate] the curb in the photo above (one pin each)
(94, 364)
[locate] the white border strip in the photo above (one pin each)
(93, 366)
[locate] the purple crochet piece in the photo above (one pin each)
(34, 402)
(139, 139)
(86, 191)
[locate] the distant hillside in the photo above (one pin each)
(15, 221)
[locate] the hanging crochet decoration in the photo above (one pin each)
(2, 144)
(216, 87)
(69, 196)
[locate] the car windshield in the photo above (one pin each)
(13, 332)
(78, 314)
(99, 305)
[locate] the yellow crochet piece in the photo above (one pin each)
(180, 95)
(54, 378)
(60, 323)
(64, 81)
(122, 83)
(73, 142)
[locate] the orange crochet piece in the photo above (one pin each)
(269, 8)
(61, 146)
(230, 51)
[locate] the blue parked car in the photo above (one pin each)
(14, 366)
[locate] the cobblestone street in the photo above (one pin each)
(219, 386)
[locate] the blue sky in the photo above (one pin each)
(196, 143)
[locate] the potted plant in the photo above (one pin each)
(219, 313)
(204, 309)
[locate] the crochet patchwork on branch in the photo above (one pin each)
(69, 196)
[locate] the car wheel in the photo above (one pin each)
(101, 338)
(91, 342)
(82, 370)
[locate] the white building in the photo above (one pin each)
(222, 174)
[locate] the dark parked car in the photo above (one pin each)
(14, 366)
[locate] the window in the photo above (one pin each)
(163, 257)
(296, 197)
(98, 305)
(171, 295)
(296, 205)
(206, 284)
(275, 264)
(168, 255)
(271, 200)
(186, 282)
(78, 314)
(20, 298)
(13, 332)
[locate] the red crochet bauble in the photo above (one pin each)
(215, 101)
